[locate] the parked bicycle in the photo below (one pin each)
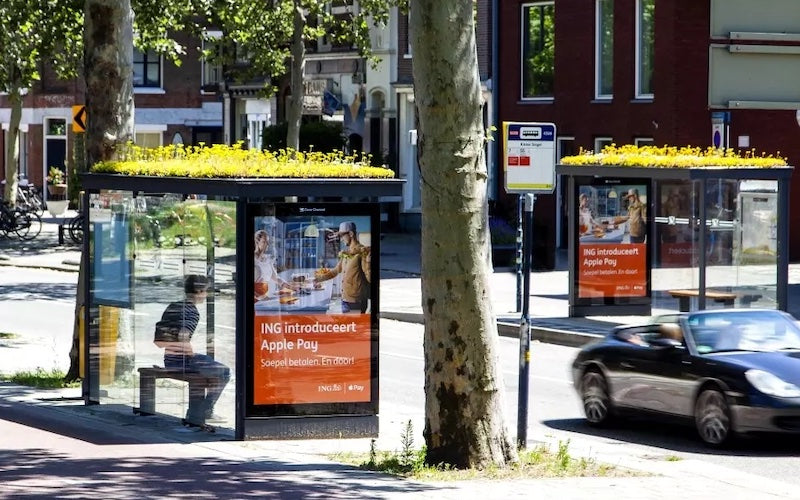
(75, 228)
(28, 197)
(25, 224)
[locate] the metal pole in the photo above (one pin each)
(519, 251)
(525, 325)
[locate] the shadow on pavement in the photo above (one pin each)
(38, 291)
(32, 473)
(679, 438)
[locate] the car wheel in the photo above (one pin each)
(713, 417)
(596, 401)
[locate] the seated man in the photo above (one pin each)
(174, 334)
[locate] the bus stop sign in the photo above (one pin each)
(529, 157)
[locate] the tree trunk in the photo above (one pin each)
(294, 115)
(108, 71)
(464, 395)
(108, 60)
(12, 151)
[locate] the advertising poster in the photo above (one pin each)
(312, 308)
(676, 236)
(612, 240)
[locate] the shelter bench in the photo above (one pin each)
(147, 385)
(727, 298)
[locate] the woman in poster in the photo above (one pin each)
(266, 277)
(586, 221)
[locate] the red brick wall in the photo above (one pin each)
(678, 114)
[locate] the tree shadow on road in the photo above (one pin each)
(679, 438)
(40, 473)
(37, 291)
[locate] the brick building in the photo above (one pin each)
(171, 107)
(649, 71)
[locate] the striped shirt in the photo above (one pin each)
(177, 317)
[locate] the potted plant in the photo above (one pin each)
(55, 182)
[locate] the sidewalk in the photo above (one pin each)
(75, 450)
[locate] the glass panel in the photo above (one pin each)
(676, 253)
(538, 50)
(742, 243)
(169, 238)
(153, 74)
(110, 288)
(56, 126)
(605, 47)
(646, 46)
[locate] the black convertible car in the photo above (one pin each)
(727, 371)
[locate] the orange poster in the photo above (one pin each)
(612, 270)
(312, 358)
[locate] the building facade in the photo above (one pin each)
(709, 73)
(170, 107)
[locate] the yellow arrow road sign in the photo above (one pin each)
(79, 118)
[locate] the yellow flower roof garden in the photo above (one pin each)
(673, 157)
(221, 161)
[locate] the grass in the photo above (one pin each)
(539, 462)
(40, 378)
(6, 335)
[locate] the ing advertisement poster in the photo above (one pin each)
(612, 222)
(314, 311)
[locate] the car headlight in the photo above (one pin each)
(772, 385)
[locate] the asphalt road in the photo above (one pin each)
(555, 413)
(37, 305)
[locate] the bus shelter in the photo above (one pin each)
(666, 239)
(301, 354)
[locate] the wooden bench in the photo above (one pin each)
(147, 385)
(726, 298)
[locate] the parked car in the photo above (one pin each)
(728, 372)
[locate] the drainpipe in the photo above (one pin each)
(493, 146)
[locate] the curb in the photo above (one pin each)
(506, 329)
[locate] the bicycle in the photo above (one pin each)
(75, 228)
(29, 198)
(25, 224)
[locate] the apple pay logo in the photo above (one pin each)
(530, 132)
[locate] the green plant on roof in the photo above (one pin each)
(673, 157)
(222, 161)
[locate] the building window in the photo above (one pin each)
(147, 139)
(601, 142)
(146, 69)
(538, 50)
(645, 45)
(566, 147)
(643, 141)
(604, 49)
(211, 71)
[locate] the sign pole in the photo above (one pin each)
(529, 167)
(519, 252)
(525, 324)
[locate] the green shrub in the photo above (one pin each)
(321, 136)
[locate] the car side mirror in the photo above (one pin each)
(665, 343)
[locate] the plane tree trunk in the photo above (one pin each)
(464, 395)
(12, 150)
(108, 72)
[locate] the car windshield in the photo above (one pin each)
(743, 331)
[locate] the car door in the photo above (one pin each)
(628, 384)
(666, 372)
